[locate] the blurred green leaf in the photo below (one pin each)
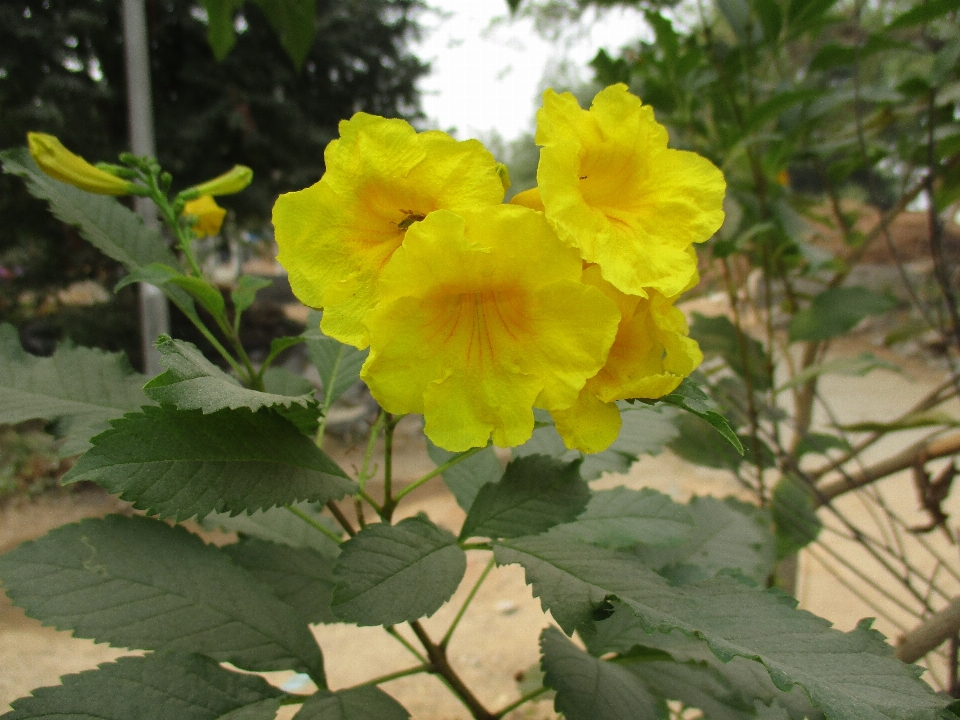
(837, 311)
(467, 477)
(820, 443)
(933, 418)
(338, 364)
(718, 336)
(691, 398)
(295, 22)
(924, 13)
(857, 366)
(206, 294)
(246, 291)
(794, 516)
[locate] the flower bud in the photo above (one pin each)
(209, 215)
(59, 163)
(232, 181)
(504, 172)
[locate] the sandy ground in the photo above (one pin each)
(498, 637)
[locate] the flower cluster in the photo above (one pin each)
(476, 312)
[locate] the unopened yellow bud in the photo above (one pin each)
(209, 215)
(59, 163)
(504, 172)
(232, 181)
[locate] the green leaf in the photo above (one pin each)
(645, 430)
(278, 345)
(338, 364)
(80, 388)
(203, 292)
(156, 274)
(727, 535)
(359, 703)
(282, 382)
(924, 13)
(535, 493)
(794, 515)
(718, 336)
(691, 398)
(246, 291)
(591, 689)
(699, 444)
(389, 574)
(182, 463)
(168, 686)
(623, 518)
(300, 577)
(467, 477)
(842, 673)
(139, 583)
(279, 525)
(102, 221)
(771, 109)
(220, 33)
(836, 311)
(191, 382)
(820, 443)
(930, 418)
(295, 22)
(858, 366)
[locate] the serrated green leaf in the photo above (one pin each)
(622, 518)
(591, 689)
(338, 364)
(858, 366)
(794, 515)
(841, 672)
(691, 398)
(245, 293)
(727, 535)
(300, 577)
(139, 583)
(467, 477)
(295, 23)
(281, 381)
(167, 686)
(359, 703)
(81, 388)
(203, 292)
(182, 463)
(191, 382)
(837, 311)
(102, 221)
(535, 493)
(645, 430)
(388, 574)
(279, 525)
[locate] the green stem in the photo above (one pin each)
(436, 471)
(386, 512)
(211, 338)
(522, 701)
(394, 676)
(316, 525)
(466, 603)
(395, 634)
(371, 441)
(373, 503)
(341, 518)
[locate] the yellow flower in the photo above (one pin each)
(209, 215)
(612, 188)
(233, 181)
(482, 315)
(650, 356)
(59, 163)
(381, 178)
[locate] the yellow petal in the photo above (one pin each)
(481, 316)
(209, 215)
(614, 190)
(382, 178)
(61, 164)
(590, 425)
(528, 198)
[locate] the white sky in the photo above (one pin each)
(486, 75)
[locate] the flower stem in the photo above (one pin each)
(313, 523)
(395, 634)
(466, 603)
(436, 471)
(395, 675)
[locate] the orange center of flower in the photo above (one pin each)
(481, 324)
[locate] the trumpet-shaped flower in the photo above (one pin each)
(482, 315)
(232, 181)
(209, 216)
(61, 164)
(613, 189)
(381, 178)
(652, 353)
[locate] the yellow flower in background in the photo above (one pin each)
(382, 178)
(229, 183)
(59, 163)
(482, 316)
(612, 188)
(209, 216)
(651, 355)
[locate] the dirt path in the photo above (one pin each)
(497, 638)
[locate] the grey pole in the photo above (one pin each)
(154, 314)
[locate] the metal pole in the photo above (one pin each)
(154, 314)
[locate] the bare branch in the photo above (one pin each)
(929, 634)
